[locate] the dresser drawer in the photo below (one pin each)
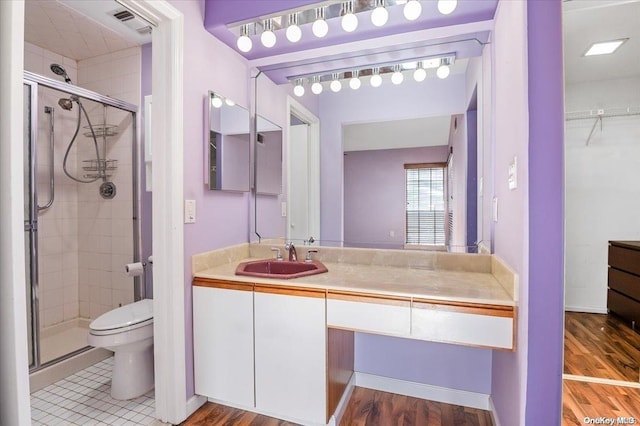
(623, 306)
(624, 259)
(624, 283)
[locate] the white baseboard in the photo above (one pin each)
(423, 391)
(494, 413)
(195, 402)
(612, 382)
(588, 310)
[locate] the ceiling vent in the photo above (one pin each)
(131, 21)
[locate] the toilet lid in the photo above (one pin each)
(124, 316)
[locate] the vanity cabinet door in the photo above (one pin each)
(481, 325)
(223, 341)
(369, 313)
(290, 353)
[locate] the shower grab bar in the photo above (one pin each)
(49, 110)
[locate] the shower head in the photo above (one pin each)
(59, 70)
(65, 103)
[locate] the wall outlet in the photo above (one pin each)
(392, 233)
(189, 211)
(480, 186)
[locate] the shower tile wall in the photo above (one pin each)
(105, 226)
(58, 226)
(85, 241)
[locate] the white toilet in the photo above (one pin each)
(128, 332)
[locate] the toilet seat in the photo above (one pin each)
(124, 318)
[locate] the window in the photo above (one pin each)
(425, 210)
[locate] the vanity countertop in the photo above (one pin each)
(411, 282)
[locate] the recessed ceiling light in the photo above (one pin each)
(605, 47)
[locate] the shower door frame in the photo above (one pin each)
(34, 81)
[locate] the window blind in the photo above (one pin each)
(425, 210)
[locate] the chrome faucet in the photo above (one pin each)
(278, 253)
(293, 256)
(308, 257)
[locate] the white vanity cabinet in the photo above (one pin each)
(377, 314)
(223, 341)
(291, 353)
(490, 326)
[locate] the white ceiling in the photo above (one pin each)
(58, 26)
(410, 133)
(590, 21)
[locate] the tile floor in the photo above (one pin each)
(84, 399)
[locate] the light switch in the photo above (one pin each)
(283, 207)
(480, 186)
(495, 209)
(189, 211)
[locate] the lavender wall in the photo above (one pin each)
(432, 97)
(472, 177)
(374, 181)
(546, 213)
(146, 218)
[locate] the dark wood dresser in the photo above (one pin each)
(623, 296)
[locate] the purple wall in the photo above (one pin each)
(146, 218)
(472, 177)
(546, 212)
(374, 181)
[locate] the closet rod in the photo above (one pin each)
(603, 113)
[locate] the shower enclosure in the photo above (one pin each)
(81, 227)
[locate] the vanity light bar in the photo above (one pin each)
(289, 21)
(418, 68)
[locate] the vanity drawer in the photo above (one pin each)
(624, 259)
(484, 326)
(624, 283)
(369, 313)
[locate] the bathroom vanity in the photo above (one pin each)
(286, 347)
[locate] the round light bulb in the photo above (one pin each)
(216, 102)
(294, 33)
(298, 90)
(229, 102)
(244, 43)
(316, 88)
(379, 16)
(335, 86)
(419, 74)
(376, 80)
(443, 71)
(447, 6)
(268, 38)
(397, 77)
(320, 28)
(412, 10)
(355, 83)
(349, 22)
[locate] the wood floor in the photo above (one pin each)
(581, 400)
(366, 407)
(601, 346)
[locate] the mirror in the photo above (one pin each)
(268, 157)
(369, 139)
(228, 145)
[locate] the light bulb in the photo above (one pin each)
(397, 77)
(447, 6)
(298, 90)
(316, 88)
(355, 83)
(216, 102)
(294, 33)
(376, 80)
(349, 22)
(379, 16)
(443, 71)
(244, 43)
(335, 86)
(229, 102)
(320, 28)
(268, 38)
(412, 10)
(419, 74)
